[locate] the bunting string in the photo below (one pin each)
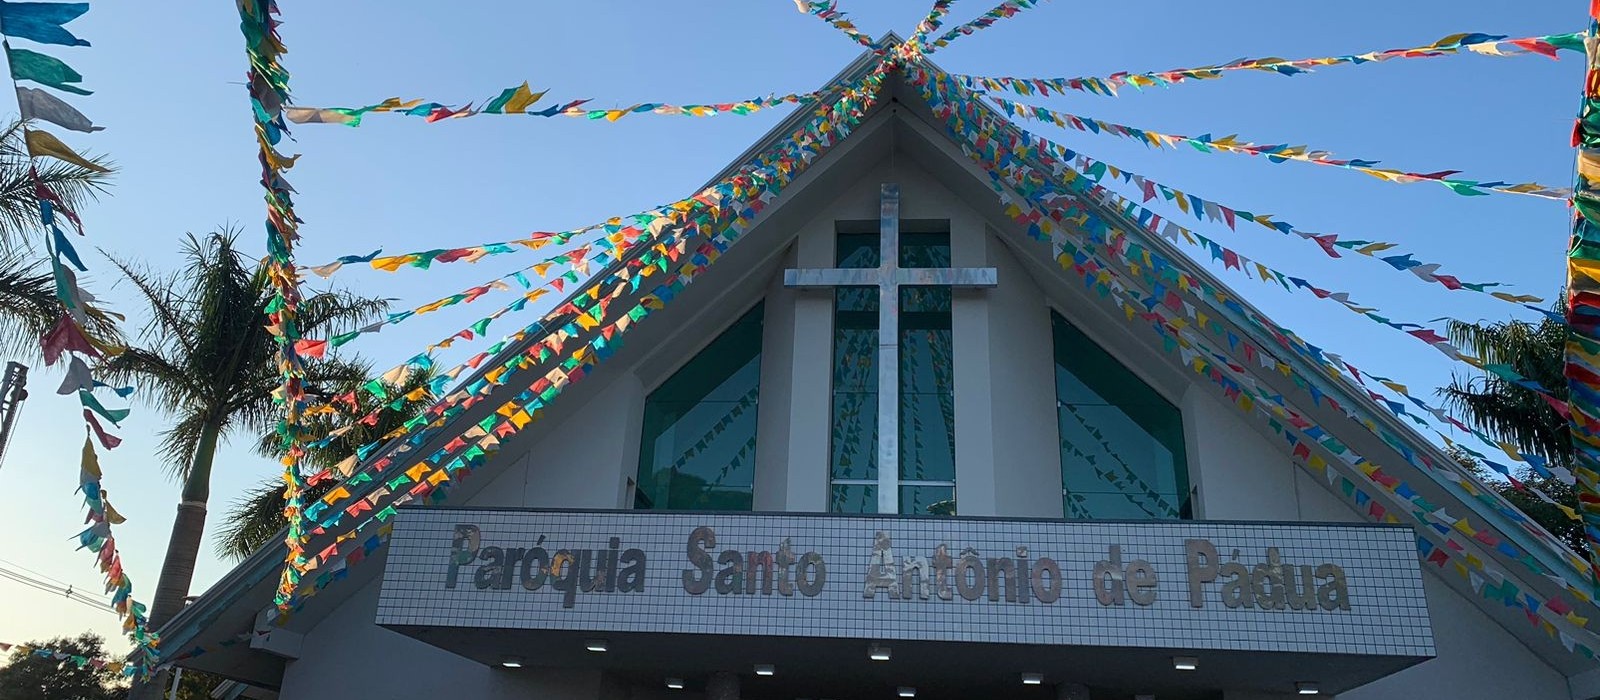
(986, 141)
(78, 660)
(931, 23)
(1234, 260)
(1004, 10)
(1482, 44)
(1303, 435)
(519, 99)
(828, 11)
(1211, 210)
(780, 165)
(44, 23)
(1583, 298)
(1125, 248)
(269, 92)
(1277, 153)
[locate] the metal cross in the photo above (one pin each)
(889, 277)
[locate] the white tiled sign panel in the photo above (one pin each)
(1382, 609)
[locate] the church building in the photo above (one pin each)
(909, 408)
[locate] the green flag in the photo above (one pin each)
(44, 70)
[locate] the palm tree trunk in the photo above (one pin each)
(188, 530)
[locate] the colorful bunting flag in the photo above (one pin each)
(1483, 44)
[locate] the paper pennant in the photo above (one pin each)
(1483, 44)
(1277, 153)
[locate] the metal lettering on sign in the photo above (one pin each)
(1338, 589)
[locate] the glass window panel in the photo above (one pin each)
(927, 385)
(927, 248)
(853, 498)
(927, 500)
(855, 435)
(860, 248)
(698, 439)
(1122, 451)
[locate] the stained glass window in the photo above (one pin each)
(699, 432)
(1122, 450)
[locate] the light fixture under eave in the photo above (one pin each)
(1033, 679)
(674, 684)
(1306, 688)
(1186, 663)
(596, 645)
(878, 652)
(765, 669)
(511, 662)
(906, 691)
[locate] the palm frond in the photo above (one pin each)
(255, 518)
(19, 208)
(28, 306)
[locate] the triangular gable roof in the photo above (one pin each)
(1262, 367)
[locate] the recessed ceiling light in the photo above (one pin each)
(878, 652)
(906, 691)
(765, 669)
(674, 684)
(1185, 663)
(1305, 688)
(596, 645)
(1032, 678)
(511, 662)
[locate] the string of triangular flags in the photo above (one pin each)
(1583, 297)
(1004, 10)
(1330, 243)
(828, 11)
(78, 335)
(778, 167)
(77, 660)
(998, 140)
(268, 87)
(996, 156)
(1277, 153)
(519, 99)
(1482, 44)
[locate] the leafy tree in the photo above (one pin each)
(73, 676)
(256, 517)
(1517, 414)
(28, 305)
(208, 360)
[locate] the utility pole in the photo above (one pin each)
(13, 391)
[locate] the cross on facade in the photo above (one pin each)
(889, 277)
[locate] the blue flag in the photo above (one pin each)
(41, 21)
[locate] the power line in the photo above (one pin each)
(67, 592)
(40, 574)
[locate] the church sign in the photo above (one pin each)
(1348, 589)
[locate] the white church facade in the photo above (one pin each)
(889, 445)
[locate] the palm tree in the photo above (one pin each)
(211, 363)
(256, 517)
(1507, 410)
(28, 305)
(1516, 414)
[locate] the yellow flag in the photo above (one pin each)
(41, 143)
(91, 462)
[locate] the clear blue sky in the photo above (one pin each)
(169, 89)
